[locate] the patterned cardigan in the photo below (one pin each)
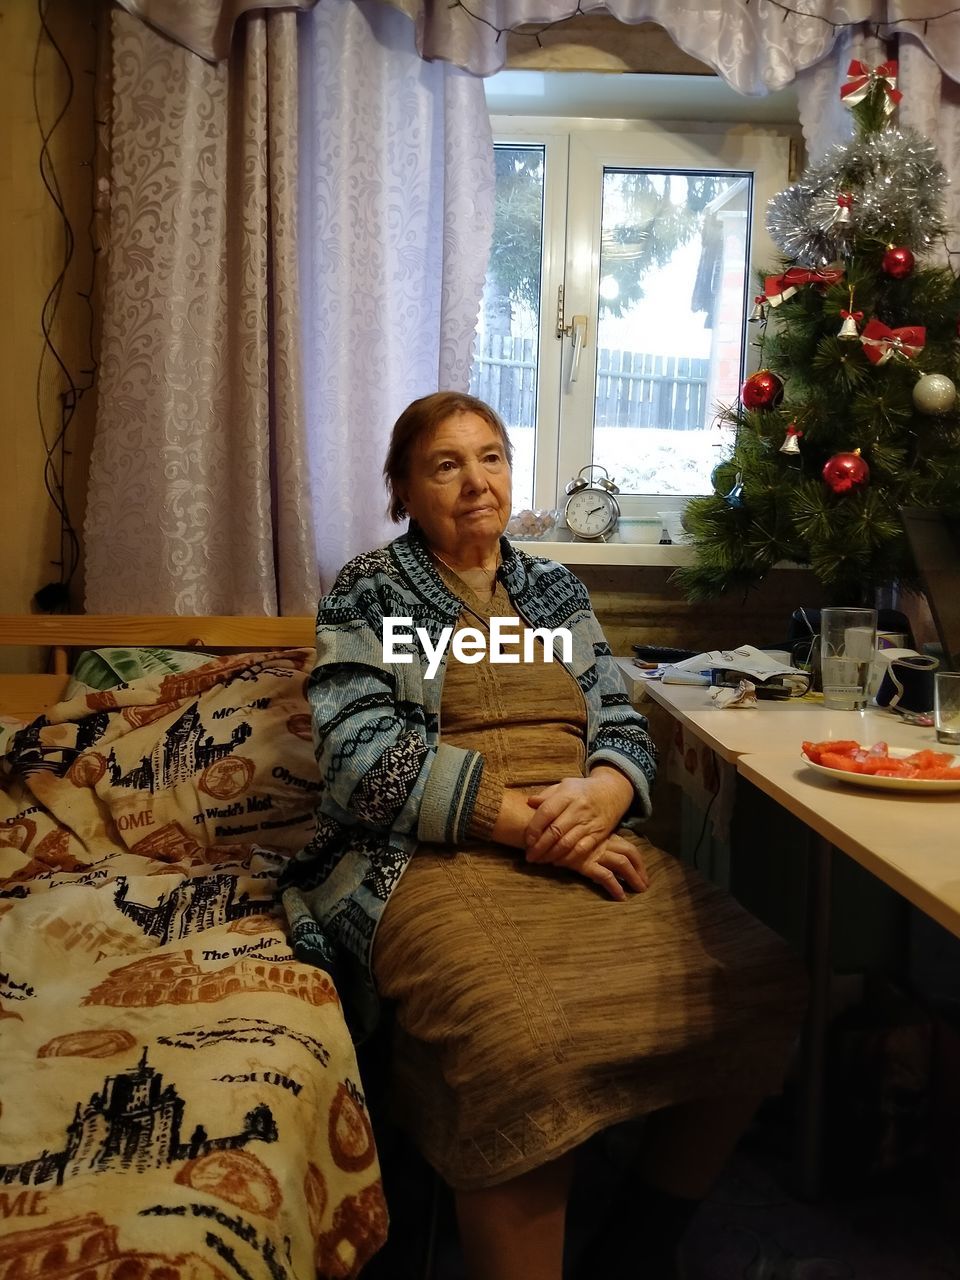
(388, 781)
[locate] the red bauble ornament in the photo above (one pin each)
(762, 390)
(845, 472)
(898, 262)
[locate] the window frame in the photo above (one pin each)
(570, 144)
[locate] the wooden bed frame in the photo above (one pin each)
(25, 696)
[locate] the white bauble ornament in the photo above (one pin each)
(935, 394)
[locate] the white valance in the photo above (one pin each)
(757, 47)
(750, 46)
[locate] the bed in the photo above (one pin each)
(179, 1096)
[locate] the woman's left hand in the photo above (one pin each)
(575, 816)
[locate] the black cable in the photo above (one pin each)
(703, 829)
(56, 594)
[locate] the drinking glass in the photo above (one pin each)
(848, 640)
(946, 706)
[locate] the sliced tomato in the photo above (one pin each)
(849, 757)
(836, 760)
(814, 750)
(928, 759)
(887, 766)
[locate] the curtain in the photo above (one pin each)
(205, 27)
(755, 47)
(396, 216)
(227, 474)
(931, 105)
(200, 423)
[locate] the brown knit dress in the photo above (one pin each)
(531, 1009)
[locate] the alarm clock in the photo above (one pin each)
(592, 510)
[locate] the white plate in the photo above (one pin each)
(891, 784)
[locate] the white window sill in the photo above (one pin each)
(618, 551)
(614, 552)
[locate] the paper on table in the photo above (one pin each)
(745, 660)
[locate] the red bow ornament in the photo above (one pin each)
(779, 288)
(880, 342)
(861, 79)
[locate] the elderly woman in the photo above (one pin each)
(476, 863)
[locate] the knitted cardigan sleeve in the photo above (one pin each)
(618, 735)
(381, 766)
(622, 738)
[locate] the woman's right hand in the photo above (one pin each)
(616, 865)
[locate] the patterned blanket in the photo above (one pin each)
(179, 1096)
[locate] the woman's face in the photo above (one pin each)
(459, 487)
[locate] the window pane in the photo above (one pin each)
(673, 266)
(506, 352)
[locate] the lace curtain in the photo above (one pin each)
(396, 218)
(932, 105)
(197, 500)
(225, 477)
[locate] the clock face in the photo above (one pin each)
(591, 513)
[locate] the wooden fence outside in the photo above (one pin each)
(634, 388)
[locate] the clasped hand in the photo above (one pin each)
(574, 826)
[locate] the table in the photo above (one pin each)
(777, 726)
(909, 841)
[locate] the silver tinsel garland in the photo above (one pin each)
(896, 183)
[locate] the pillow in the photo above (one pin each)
(98, 669)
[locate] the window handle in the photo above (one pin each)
(578, 333)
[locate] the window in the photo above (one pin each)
(613, 322)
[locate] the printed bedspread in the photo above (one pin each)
(179, 1096)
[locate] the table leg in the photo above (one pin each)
(813, 1042)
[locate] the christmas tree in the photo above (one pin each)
(853, 413)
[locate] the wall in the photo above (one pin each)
(32, 236)
(637, 605)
